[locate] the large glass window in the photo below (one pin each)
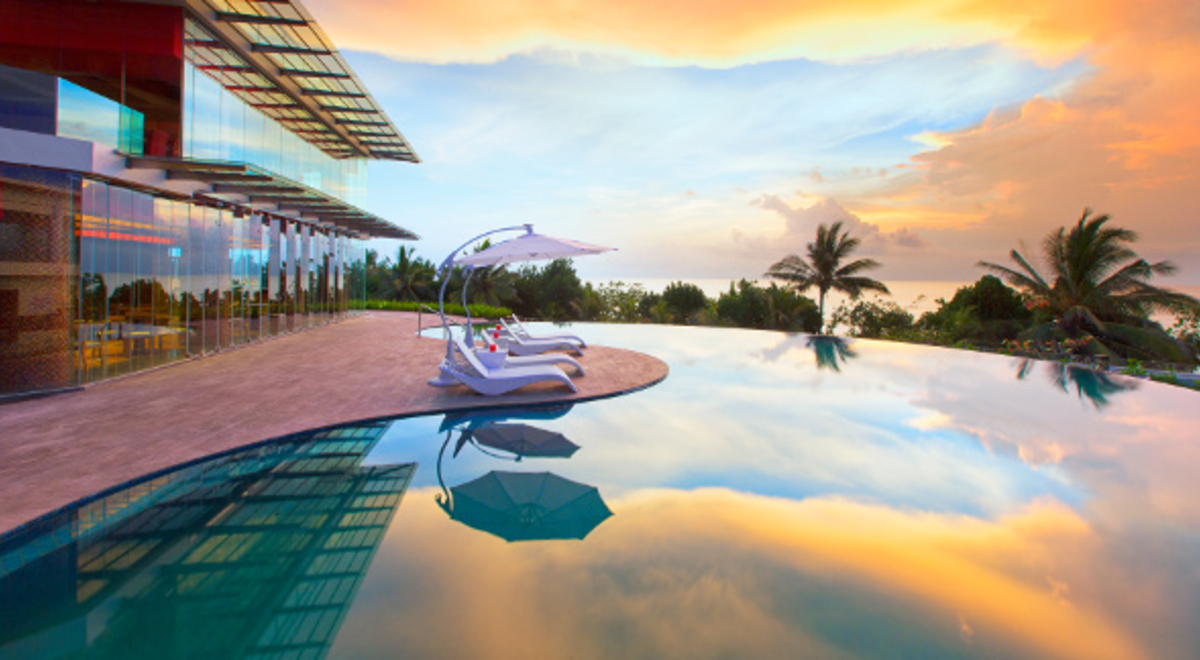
(218, 125)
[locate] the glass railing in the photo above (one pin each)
(86, 115)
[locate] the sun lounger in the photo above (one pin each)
(462, 365)
(518, 345)
(534, 360)
(520, 329)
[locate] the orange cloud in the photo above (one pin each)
(711, 32)
(712, 572)
(1124, 141)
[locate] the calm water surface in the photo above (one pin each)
(776, 496)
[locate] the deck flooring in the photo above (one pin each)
(58, 449)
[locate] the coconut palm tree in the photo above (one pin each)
(410, 278)
(1097, 291)
(823, 268)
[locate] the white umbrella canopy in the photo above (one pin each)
(530, 247)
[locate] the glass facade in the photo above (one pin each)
(99, 280)
(218, 125)
(112, 68)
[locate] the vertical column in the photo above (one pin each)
(224, 269)
(257, 275)
(300, 268)
(176, 341)
(214, 267)
(336, 280)
(275, 290)
(237, 277)
(195, 280)
(93, 285)
(120, 278)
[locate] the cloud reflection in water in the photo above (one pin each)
(918, 502)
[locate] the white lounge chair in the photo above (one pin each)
(518, 345)
(533, 360)
(462, 365)
(520, 328)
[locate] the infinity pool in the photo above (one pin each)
(776, 496)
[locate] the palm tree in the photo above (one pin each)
(1098, 291)
(824, 270)
(409, 278)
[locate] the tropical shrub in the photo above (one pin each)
(684, 300)
(872, 318)
(477, 311)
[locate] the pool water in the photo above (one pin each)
(776, 496)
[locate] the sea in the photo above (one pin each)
(917, 297)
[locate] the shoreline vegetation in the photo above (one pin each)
(1086, 301)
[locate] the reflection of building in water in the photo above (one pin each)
(258, 554)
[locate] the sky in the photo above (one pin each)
(709, 139)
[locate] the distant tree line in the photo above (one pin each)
(1092, 302)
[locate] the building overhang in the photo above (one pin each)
(256, 189)
(275, 58)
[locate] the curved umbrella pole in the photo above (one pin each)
(444, 273)
(443, 498)
(448, 263)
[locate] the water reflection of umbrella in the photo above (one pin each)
(524, 440)
(476, 418)
(527, 506)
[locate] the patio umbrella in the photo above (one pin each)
(529, 247)
(524, 440)
(527, 506)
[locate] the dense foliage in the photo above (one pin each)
(1093, 303)
(553, 291)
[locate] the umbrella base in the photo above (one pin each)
(442, 380)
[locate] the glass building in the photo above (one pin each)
(176, 178)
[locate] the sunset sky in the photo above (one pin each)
(709, 139)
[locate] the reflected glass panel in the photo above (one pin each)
(195, 280)
(85, 115)
(277, 277)
(300, 268)
(215, 258)
(254, 554)
(174, 343)
(122, 271)
(237, 290)
(204, 139)
(93, 281)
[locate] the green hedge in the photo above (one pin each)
(477, 311)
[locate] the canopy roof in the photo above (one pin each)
(263, 190)
(274, 56)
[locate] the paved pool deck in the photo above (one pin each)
(58, 449)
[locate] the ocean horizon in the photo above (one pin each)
(915, 296)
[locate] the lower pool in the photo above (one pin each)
(778, 495)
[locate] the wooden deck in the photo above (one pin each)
(61, 448)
